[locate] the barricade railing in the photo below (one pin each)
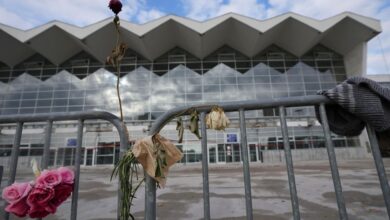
(81, 117)
(281, 104)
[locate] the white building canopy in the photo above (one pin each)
(345, 33)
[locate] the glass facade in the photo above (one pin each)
(177, 78)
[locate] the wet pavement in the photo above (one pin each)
(183, 199)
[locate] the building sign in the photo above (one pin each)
(71, 142)
(232, 138)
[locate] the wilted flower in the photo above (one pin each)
(194, 123)
(115, 6)
(217, 119)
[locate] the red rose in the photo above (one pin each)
(115, 6)
(38, 200)
(38, 212)
(19, 208)
(62, 192)
(16, 192)
(49, 178)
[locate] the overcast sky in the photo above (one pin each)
(25, 14)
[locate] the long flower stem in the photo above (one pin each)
(118, 91)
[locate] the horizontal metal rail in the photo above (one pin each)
(241, 106)
(50, 118)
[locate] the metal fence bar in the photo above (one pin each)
(379, 167)
(150, 198)
(245, 160)
(333, 164)
(289, 164)
(1, 174)
(75, 194)
(46, 149)
(205, 167)
(50, 117)
(14, 157)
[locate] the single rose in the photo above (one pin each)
(49, 178)
(16, 192)
(67, 175)
(115, 6)
(40, 196)
(19, 208)
(62, 192)
(38, 212)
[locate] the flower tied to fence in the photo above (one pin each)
(41, 197)
(156, 154)
(217, 119)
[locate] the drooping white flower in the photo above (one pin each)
(217, 119)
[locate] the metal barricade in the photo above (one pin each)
(81, 117)
(281, 104)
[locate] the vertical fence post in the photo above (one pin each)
(75, 194)
(245, 160)
(333, 165)
(205, 167)
(289, 164)
(1, 174)
(14, 158)
(150, 198)
(46, 149)
(379, 167)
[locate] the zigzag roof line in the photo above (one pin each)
(197, 26)
(58, 41)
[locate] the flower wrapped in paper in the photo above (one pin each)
(156, 154)
(217, 119)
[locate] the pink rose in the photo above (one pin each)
(115, 6)
(67, 175)
(38, 212)
(16, 192)
(19, 208)
(62, 192)
(39, 198)
(49, 178)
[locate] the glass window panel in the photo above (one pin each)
(249, 88)
(294, 78)
(61, 94)
(278, 78)
(211, 88)
(45, 95)
(194, 81)
(26, 110)
(11, 104)
(245, 80)
(229, 80)
(211, 80)
(76, 94)
(195, 89)
(230, 89)
(312, 86)
(13, 96)
(30, 95)
(296, 87)
(310, 78)
(297, 93)
(261, 70)
(27, 103)
(262, 79)
(212, 96)
(9, 111)
(194, 97)
(60, 102)
(76, 101)
(42, 110)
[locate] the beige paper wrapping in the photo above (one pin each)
(145, 152)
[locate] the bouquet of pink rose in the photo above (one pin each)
(42, 197)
